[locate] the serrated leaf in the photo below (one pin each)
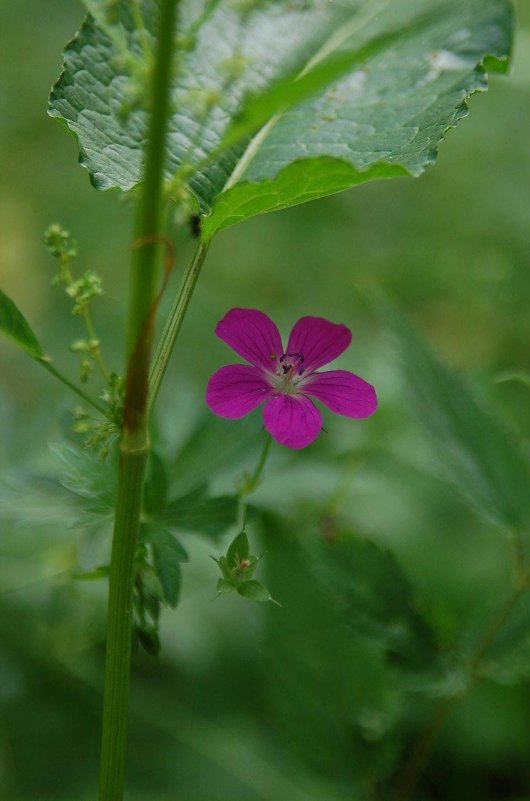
(329, 118)
(92, 480)
(474, 450)
(238, 550)
(167, 555)
(80, 492)
(14, 325)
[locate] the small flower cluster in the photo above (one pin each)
(237, 569)
(100, 434)
(83, 290)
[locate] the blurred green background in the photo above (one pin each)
(251, 703)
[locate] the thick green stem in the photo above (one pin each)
(134, 447)
(151, 202)
(119, 631)
(174, 320)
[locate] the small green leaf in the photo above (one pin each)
(149, 639)
(223, 566)
(167, 555)
(224, 586)
(238, 550)
(152, 605)
(255, 591)
(13, 324)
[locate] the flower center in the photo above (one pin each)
(289, 371)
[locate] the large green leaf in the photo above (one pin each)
(279, 103)
(14, 325)
(474, 450)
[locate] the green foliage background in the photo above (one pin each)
(312, 700)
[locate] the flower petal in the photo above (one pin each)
(236, 389)
(318, 340)
(343, 392)
(292, 420)
(253, 335)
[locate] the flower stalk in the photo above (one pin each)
(174, 320)
(251, 482)
(134, 446)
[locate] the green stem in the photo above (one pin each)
(119, 631)
(78, 391)
(250, 483)
(174, 321)
(150, 212)
(134, 446)
(96, 353)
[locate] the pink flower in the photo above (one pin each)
(285, 379)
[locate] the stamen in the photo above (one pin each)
(290, 364)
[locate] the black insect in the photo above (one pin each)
(195, 226)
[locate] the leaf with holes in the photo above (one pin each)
(293, 102)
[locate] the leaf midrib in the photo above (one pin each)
(333, 42)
